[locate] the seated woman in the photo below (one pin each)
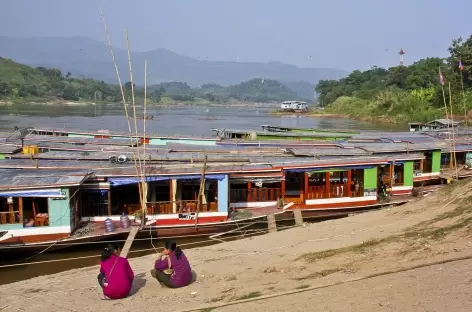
(116, 275)
(172, 269)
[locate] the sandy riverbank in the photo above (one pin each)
(435, 228)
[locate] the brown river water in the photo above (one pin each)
(186, 120)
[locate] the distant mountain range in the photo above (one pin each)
(91, 58)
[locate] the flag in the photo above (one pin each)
(441, 78)
(461, 67)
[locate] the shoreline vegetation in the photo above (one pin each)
(402, 94)
(24, 84)
(162, 104)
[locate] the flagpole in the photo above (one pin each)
(452, 126)
(461, 68)
(441, 78)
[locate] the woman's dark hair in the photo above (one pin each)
(172, 246)
(108, 251)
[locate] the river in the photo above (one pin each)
(183, 120)
(186, 120)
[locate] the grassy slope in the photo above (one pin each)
(17, 73)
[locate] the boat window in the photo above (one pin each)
(445, 160)
(428, 163)
(417, 165)
(398, 174)
(35, 212)
(95, 203)
(9, 211)
(357, 187)
(125, 198)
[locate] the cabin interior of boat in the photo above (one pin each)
(31, 212)
(255, 191)
(447, 159)
(163, 197)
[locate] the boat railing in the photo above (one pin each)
(10, 217)
(316, 192)
(320, 191)
(261, 194)
(180, 206)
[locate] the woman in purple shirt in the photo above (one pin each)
(116, 276)
(172, 269)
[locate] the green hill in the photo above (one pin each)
(405, 93)
(19, 82)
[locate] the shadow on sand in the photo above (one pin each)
(138, 283)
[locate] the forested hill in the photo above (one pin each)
(20, 82)
(404, 93)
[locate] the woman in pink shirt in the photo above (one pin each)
(172, 269)
(116, 276)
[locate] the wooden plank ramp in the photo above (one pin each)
(129, 241)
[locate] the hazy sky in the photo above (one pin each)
(346, 34)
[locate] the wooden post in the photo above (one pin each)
(328, 185)
(297, 214)
(249, 191)
(11, 214)
(349, 181)
(20, 208)
(421, 165)
(271, 224)
(129, 241)
(284, 173)
(201, 191)
(306, 187)
(302, 188)
(109, 201)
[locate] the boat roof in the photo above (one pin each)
(11, 179)
(9, 149)
(443, 121)
(291, 102)
(56, 169)
(286, 134)
(107, 132)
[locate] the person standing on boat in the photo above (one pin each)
(116, 276)
(172, 268)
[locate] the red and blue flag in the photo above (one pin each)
(441, 78)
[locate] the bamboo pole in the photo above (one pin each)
(123, 97)
(453, 138)
(144, 135)
(140, 173)
(201, 190)
(445, 109)
(464, 104)
(134, 230)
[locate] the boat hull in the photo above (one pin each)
(186, 228)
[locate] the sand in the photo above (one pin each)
(437, 228)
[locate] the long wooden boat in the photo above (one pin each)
(271, 128)
(284, 135)
(150, 138)
(41, 205)
(320, 178)
(435, 148)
